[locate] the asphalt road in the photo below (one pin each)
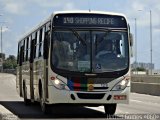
(139, 104)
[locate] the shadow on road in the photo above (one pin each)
(34, 111)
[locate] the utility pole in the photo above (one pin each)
(1, 50)
(151, 48)
(151, 39)
(136, 46)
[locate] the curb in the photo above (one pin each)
(5, 114)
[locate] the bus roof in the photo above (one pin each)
(68, 12)
(89, 12)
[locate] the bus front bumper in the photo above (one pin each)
(57, 96)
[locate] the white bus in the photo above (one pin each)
(76, 57)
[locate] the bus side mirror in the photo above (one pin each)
(131, 43)
(46, 45)
(131, 39)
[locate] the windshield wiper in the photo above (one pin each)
(78, 36)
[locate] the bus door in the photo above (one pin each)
(45, 56)
(21, 57)
(32, 69)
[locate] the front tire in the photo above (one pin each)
(110, 109)
(44, 107)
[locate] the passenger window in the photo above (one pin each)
(34, 39)
(32, 47)
(37, 50)
(37, 44)
(41, 42)
(23, 50)
(18, 56)
(29, 47)
(38, 37)
(26, 49)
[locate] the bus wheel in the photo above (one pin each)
(110, 109)
(44, 107)
(26, 101)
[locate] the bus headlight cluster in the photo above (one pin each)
(59, 84)
(121, 85)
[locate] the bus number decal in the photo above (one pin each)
(68, 20)
(104, 85)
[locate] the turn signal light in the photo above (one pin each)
(53, 78)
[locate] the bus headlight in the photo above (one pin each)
(121, 85)
(59, 84)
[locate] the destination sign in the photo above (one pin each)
(89, 20)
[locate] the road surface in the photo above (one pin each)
(139, 104)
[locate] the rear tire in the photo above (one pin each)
(110, 109)
(26, 101)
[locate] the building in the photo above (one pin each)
(153, 72)
(147, 66)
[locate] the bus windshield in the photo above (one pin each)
(95, 51)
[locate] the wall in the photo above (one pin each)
(146, 84)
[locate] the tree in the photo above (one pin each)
(139, 69)
(2, 55)
(11, 57)
(10, 62)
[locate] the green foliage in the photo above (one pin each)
(10, 62)
(139, 69)
(2, 55)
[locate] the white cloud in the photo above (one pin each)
(137, 5)
(4, 29)
(49, 3)
(14, 7)
(61, 4)
(143, 16)
(20, 7)
(143, 27)
(69, 6)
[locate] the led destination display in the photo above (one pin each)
(89, 20)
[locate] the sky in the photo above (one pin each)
(19, 16)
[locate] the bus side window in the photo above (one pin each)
(23, 51)
(32, 48)
(46, 45)
(34, 39)
(18, 55)
(37, 45)
(46, 41)
(26, 49)
(29, 47)
(41, 41)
